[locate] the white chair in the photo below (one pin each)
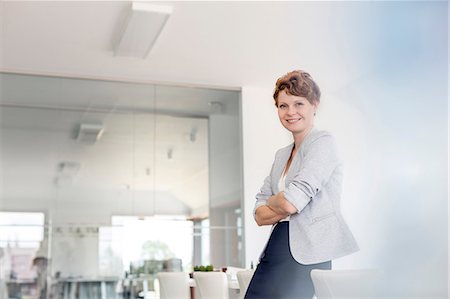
(211, 285)
(345, 283)
(174, 285)
(3, 289)
(244, 278)
(232, 271)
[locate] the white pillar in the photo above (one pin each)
(262, 136)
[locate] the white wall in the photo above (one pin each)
(262, 136)
(1, 88)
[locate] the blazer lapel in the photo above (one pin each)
(296, 160)
(293, 168)
(280, 164)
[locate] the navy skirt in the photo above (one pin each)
(278, 274)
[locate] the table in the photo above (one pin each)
(91, 287)
(232, 283)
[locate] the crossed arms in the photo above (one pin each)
(276, 208)
(319, 161)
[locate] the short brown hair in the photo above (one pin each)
(297, 83)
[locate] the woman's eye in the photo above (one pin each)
(282, 106)
(299, 104)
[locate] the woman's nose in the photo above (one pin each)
(291, 110)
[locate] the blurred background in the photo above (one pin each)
(120, 159)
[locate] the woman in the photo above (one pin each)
(300, 198)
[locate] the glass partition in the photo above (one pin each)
(129, 179)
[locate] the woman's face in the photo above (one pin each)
(296, 113)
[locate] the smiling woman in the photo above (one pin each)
(300, 198)
(297, 97)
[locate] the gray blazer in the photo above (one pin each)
(317, 232)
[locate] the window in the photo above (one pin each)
(143, 242)
(21, 240)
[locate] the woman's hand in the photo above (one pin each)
(277, 208)
(280, 205)
(264, 215)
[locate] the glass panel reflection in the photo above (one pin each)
(128, 180)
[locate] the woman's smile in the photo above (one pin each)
(293, 120)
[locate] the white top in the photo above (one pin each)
(281, 187)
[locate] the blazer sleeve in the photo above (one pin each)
(319, 161)
(265, 192)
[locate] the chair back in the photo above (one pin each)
(244, 278)
(174, 285)
(173, 265)
(3, 289)
(345, 283)
(211, 285)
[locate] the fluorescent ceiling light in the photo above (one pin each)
(89, 133)
(145, 23)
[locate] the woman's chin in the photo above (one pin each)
(294, 129)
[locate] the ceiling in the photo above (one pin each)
(226, 44)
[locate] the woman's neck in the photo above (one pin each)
(299, 137)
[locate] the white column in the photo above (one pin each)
(262, 136)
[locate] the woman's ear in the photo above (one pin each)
(316, 106)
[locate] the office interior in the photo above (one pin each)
(118, 165)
